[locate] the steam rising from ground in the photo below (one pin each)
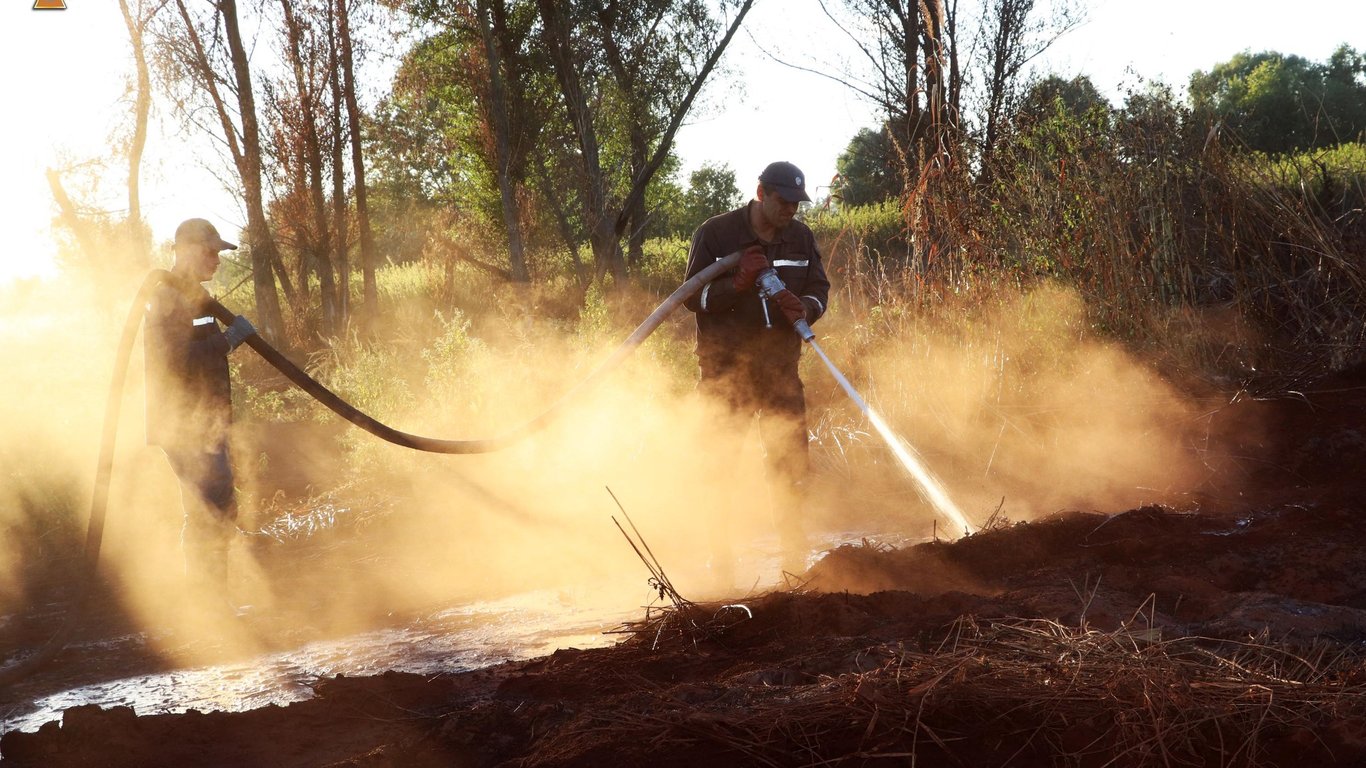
(1015, 403)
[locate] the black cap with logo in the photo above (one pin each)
(787, 180)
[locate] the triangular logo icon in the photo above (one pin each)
(49, 5)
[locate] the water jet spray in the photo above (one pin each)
(930, 488)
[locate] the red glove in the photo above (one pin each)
(791, 305)
(753, 261)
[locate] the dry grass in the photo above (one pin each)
(1032, 691)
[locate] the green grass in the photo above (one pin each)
(1336, 177)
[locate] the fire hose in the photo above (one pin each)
(768, 284)
(104, 467)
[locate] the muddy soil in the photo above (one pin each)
(1229, 630)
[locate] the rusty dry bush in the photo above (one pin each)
(1220, 264)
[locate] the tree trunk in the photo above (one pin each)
(905, 135)
(636, 215)
(955, 103)
(498, 114)
(562, 222)
(263, 249)
(142, 105)
(338, 181)
(319, 246)
(367, 238)
(1004, 50)
(85, 235)
(601, 232)
(638, 120)
(607, 224)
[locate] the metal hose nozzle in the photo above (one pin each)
(771, 285)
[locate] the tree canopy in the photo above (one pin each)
(867, 169)
(1281, 103)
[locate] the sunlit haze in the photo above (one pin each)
(61, 81)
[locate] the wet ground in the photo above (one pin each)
(109, 664)
(1226, 631)
(457, 639)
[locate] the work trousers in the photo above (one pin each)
(771, 390)
(210, 503)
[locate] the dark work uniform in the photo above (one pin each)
(748, 366)
(189, 414)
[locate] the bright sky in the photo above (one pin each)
(65, 83)
(809, 119)
(65, 74)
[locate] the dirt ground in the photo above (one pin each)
(1229, 631)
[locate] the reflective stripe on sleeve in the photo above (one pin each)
(207, 320)
(706, 289)
(791, 262)
(819, 303)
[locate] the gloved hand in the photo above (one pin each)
(814, 310)
(791, 305)
(238, 332)
(753, 261)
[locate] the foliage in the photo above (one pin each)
(363, 375)
(595, 324)
(662, 198)
(1151, 220)
(1015, 32)
(873, 231)
(1280, 103)
(44, 515)
(429, 134)
(1336, 170)
(629, 73)
(449, 358)
(629, 67)
(257, 398)
(867, 169)
(1143, 209)
(1076, 97)
(419, 139)
(665, 262)
(711, 191)
(404, 224)
(1331, 181)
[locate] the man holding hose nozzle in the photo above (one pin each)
(189, 401)
(746, 345)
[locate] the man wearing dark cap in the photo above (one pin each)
(746, 347)
(189, 400)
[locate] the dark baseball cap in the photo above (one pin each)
(196, 231)
(787, 180)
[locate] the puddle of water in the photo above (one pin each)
(455, 640)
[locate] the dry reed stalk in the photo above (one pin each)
(1037, 686)
(1152, 224)
(681, 618)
